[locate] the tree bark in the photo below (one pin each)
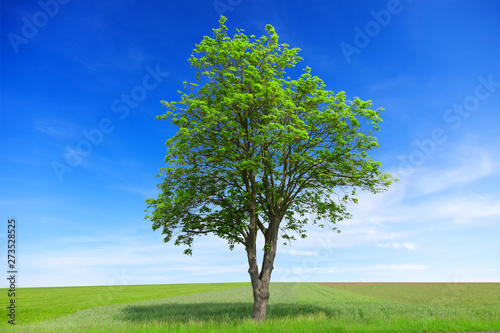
(261, 299)
(260, 286)
(260, 281)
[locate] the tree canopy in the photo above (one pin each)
(256, 150)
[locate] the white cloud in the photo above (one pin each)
(134, 189)
(407, 245)
(462, 165)
(363, 280)
(210, 270)
(56, 128)
(477, 269)
(80, 239)
(104, 252)
(385, 220)
(330, 270)
(298, 253)
(100, 257)
(468, 210)
(403, 267)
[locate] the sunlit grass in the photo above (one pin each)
(483, 298)
(294, 307)
(36, 304)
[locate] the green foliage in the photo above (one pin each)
(295, 146)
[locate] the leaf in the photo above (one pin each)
(259, 151)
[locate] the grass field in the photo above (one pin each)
(294, 307)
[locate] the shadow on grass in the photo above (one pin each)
(202, 312)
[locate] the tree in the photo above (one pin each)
(253, 148)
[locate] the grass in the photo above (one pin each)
(37, 304)
(294, 307)
(482, 298)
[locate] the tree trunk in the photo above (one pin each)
(260, 282)
(260, 300)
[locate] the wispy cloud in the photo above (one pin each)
(100, 257)
(56, 128)
(468, 165)
(211, 269)
(477, 269)
(426, 196)
(407, 245)
(17, 160)
(298, 253)
(137, 190)
(82, 239)
(330, 270)
(468, 210)
(397, 82)
(403, 267)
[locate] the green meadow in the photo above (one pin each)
(227, 307)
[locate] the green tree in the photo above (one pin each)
(253, 148)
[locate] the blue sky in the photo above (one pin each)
(82, 81)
